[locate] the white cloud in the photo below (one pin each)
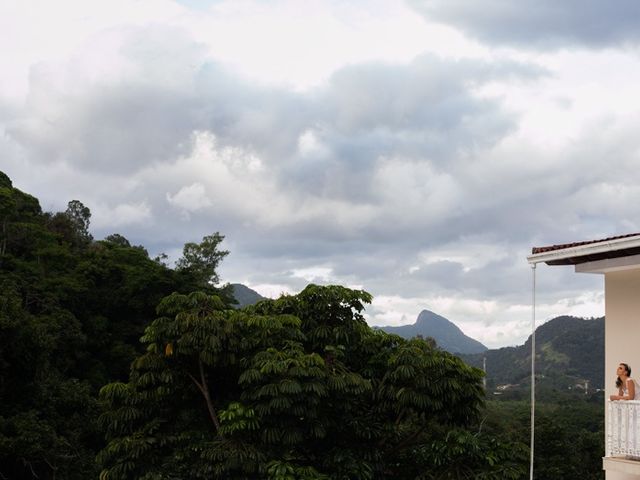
(271, 290)
(124, 214)
(309, 144)
(286, 42)
(314, 274)
(354, 143)
(190, 198)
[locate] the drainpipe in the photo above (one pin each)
(533, 367)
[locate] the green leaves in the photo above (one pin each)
(463, 455)
(201, 259)
(237, 418)
(297, 388)
(79, 217)
(284, 470)
(294, 388)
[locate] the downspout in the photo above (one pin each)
(533, 368)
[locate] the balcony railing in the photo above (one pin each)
(623, 429)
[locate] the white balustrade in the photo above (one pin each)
(623, 428)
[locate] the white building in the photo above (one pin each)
(618, 259)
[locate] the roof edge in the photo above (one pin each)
(584, 250)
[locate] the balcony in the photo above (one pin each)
(623, 437)
(623, 429)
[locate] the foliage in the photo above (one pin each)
(462, 454)
(72, 311)
(79, 216)
(569, 440)
(294, 388)
(569, 351)
(299, 387)
(200, 260)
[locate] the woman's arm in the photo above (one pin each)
(631, 392)
(620, 395)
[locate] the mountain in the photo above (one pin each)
(244, 295)
(446, 334)
(569, 350)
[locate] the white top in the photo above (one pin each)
(625, 390)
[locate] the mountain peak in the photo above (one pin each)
(428, 317)
(245, 295)
(446, 334)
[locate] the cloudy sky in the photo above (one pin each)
(415, 149)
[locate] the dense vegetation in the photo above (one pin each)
(72, 311)
(114, 365)
(569, 351)
(569, 437)
(299, 387)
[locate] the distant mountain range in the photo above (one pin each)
(446, 334)
(429, 324)
(244, 295)
(569, 351)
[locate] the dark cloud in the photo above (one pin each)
(392, 177)
(424, 111)
(112, 124)
(540, 23)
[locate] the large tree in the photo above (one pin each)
(201, 260)
(295, 388)
(72, 311)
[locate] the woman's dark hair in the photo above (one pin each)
(628, 370)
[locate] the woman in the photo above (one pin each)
(628, 388)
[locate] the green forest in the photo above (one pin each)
(115, 365)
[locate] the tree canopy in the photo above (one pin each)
(72, 311)
(294, 388)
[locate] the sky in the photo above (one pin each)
(417, 149)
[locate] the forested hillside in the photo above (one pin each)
(569, 419)
(114, 365)
(72, 311)
(569, 351)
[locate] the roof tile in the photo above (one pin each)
(562, 246)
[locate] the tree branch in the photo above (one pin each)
(407, 441)
(26, 463)
(204, 389)
(400, 416)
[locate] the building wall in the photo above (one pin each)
(622, 334)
